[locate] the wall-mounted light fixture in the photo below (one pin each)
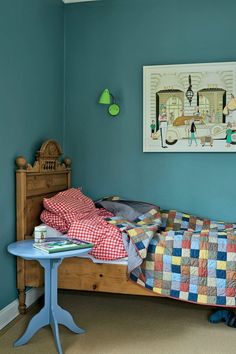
(189, 93)
(107, 98)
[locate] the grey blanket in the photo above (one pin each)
(129, 209)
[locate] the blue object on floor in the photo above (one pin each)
(226, 316)
(220, 316)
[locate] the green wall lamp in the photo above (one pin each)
(107, 98)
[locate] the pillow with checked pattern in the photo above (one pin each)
(69, 205)
(54, 221)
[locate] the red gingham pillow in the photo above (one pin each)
(53, 220)
(107, 239)
(69, 205)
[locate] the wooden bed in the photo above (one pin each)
(44, 178)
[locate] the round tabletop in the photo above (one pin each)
(26, 250)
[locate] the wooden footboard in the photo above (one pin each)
(83, 274)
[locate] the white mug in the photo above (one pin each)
(40, 233)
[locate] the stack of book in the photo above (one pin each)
(60, 245)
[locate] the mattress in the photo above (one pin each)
(122, 261)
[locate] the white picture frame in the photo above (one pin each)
(205, 121)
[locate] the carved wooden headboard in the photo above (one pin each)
(44, 178)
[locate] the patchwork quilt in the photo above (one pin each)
(184, 257)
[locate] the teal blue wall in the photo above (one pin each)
(107, 43)
(31, 103)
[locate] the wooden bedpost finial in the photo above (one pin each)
(21, 162)
(67, 162)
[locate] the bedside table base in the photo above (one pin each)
(51, 314)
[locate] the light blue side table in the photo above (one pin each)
(51, 314)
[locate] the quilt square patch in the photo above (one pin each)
(203, 254)
(166, 284)
(230, 292)
(202, 299)
(176, 260)
(184, 287)
(193, 289)
(194, 271)
(186, 244)
(211, 263)
(211, 291)
(192, 297)
(194, 253)
(211, 282)
(185, 270)
(183, 295)
(230, 266)
(221, 273)
(185, 253)
(174, 293)
(211, 300)
(211, 273)
(230, 301)
(175, 268)
(221, 300)
(167, 276)
(167, 267)
(176, 277)
(221, 265)
(203, 272)
(194, 262)
(221, 283)
(221, 292)
(222, 245)
(221, 256)
(202, 290)
(231, 256)
(202, 281)
(212, 255)
(177, 252)
(194, 279)
(175, 285)
(167, 259)
(231, 248)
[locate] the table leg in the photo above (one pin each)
(64, 317)
(42, 318)
(51, 313)
(55, 330)
(38, 321)
(57, 314)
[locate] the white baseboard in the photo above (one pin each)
(8, 313)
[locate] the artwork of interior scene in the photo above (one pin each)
(190, 108)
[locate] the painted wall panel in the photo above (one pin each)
(31, 103)
(107, 44)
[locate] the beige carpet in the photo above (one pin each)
(127, 325)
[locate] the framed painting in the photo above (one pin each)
(189, 108)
